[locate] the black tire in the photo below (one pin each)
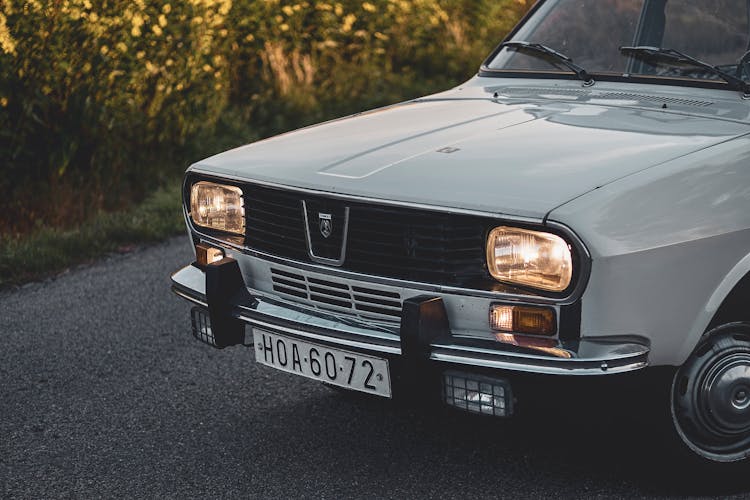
(710, 396)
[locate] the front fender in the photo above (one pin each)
(668, 244)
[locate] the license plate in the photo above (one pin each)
(333, 366)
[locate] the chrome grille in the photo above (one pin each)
(334, 296)
(394, 242)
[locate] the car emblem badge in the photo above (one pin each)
(326, 224)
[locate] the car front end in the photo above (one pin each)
(531, 221)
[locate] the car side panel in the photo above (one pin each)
(668, 244)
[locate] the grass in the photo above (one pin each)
(48, 251)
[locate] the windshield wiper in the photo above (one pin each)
(566, 61)
(678, 57)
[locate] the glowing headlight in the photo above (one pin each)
(529, 258)
(217, 206)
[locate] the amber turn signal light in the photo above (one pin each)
(206, 255)
(523, 319)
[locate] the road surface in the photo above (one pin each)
(104, 393)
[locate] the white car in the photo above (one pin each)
(580, 207)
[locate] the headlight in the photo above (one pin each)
(217, 206)
(529, 258)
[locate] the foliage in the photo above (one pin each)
(101, 100)
(48, 250)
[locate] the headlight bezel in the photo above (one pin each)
(579, 256)
(229, 236)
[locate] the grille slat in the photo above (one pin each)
(327, 299)
(372, 309)
(290, 291)
(374, 302)
(285, 274)
(376, 293)
(286, 282)
(368, 303)
(381, 246)
(327, 291)
(274, 224)
(263, 213)
(330, 284)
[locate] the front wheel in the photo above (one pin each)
(711, 395)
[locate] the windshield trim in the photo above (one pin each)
(673, 81)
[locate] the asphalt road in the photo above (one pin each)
(104, 393)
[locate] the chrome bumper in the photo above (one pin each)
(579, 357)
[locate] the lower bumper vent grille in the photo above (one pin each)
(339, 297)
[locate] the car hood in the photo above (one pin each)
(507, 157)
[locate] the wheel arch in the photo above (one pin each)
(736, 305)
(729, 303)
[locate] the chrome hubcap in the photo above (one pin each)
(711, 396)
(726, 395)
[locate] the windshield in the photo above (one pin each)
(591, 33)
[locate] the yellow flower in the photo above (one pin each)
(162, 20)
(225, 7)
(166, 9)
(7, 44)
(121, 47)
(87, 67)
(104, 50)
(140, 54)
(288, 10)
(339, 9)
(250, 37)
(348, 23)
(4, 102)
(207, 68)
(137, 20)
(156, 29)
(369, 7)
(169, 62)
(93, 17)
(151, 68)
(136, 31)
(284, 27)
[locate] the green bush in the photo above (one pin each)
(102, 100)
